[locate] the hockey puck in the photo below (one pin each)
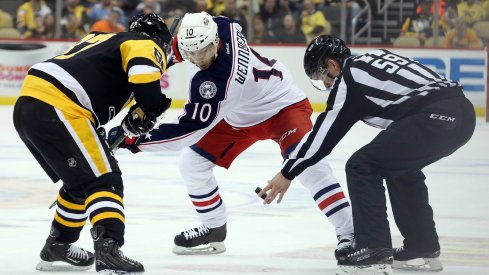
(258, 190)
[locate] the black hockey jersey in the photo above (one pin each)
(99, 75)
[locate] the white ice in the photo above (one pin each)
(285, 239)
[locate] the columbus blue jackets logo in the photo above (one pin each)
(208, 89)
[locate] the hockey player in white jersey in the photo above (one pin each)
(236, 98)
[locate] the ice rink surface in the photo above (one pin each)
(290, 238)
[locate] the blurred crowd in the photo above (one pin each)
(462, 24)
(273, 21)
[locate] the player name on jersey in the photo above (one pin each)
(243, 58)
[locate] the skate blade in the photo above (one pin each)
(118, 272)
(59, 266)
(378, 269)
(211, 248)
(419, 264)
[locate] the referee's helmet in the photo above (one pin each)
(321, 48)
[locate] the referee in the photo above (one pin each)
(424, 118)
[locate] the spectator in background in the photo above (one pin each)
(128, 6)
(313, 21)
(471, 11)
(102, 10)
(88, 3)
(462, 36)
(285, 6)
(77, 14)
(290, 33)
(69, 28)
(232, 12)
(422, 25)
(216, 7)
(146, 7)
(200, 6)
(319, 4)
(485, 9)
(441, 7)
(168, 6)
(447, 21)
(112, 24)
(272, 17)
(260, 33)
(5, 19)
(7, 29)
(48, 23)
(29, 15)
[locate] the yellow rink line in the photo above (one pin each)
(178, 103)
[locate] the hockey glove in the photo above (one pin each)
(129, 143)
(138, 121)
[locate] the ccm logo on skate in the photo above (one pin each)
(444, 118)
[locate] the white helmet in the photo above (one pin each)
(197, 31)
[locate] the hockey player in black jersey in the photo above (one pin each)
(424, 118)
(62, 103)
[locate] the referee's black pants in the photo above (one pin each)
(397, 156)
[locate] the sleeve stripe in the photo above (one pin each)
(144, 78)
(142, 69)
(301, 157)
(141, 61)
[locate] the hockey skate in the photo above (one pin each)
(414, 261)
(346, 245)
(372, 261)
(59, 256)
(109, 258)
(201, 240)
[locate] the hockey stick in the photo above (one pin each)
(119, 139)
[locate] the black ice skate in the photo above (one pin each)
(346, 245)
(109, 258)
(373, 261)
(59, 256)
(201, 240)
(416, 261)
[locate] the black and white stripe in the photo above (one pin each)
(378, 88)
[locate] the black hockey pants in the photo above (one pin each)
(58, 149)
(397, 156)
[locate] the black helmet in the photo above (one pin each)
(152, 25)
(324, 47)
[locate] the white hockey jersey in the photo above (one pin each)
(241, 87)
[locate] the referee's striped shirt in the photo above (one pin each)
(378, 88)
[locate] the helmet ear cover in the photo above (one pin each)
(197, 31)
(321, 49)
(152, 25)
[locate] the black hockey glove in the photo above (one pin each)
(129, 143)
(138, 122)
